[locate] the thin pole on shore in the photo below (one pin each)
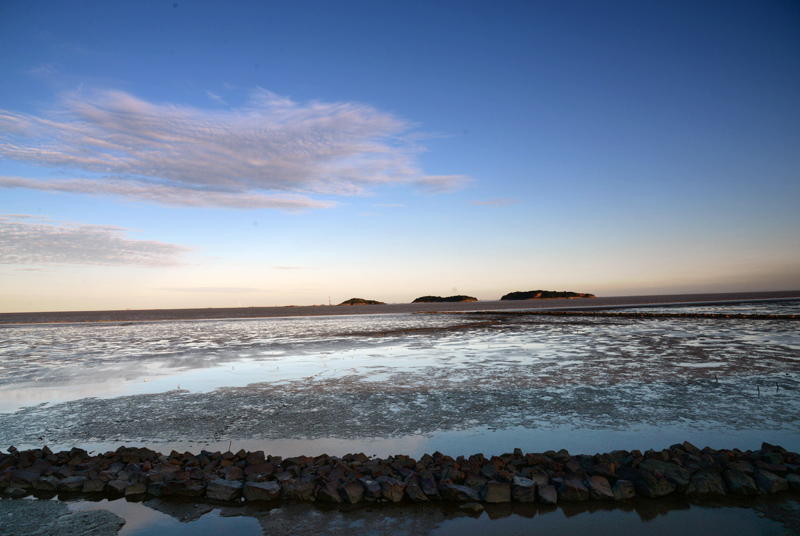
(759, 390)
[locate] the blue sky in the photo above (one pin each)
(196, 154)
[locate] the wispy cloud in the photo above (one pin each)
(29, 240)
(289, 267)
(436, 184)
(389, 205)
(505, 202)
(270, 153)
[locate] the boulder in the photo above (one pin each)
(391, 488)
(599, 488)
(352, 492)
(793, 481)
(262, 491)
(46, 483)
(739, 483)
(572, 490)
(496, 492)
(767, 482)
(71, 484)
(547, 494)
(706, 483)
(623, 489)
(456, 493)
(329, 492)
(372, 490)
(414, 492)
(135, 489)
(674, 473)
(428, 485)
(299, 491)
(224, 490)
(94, 485)
(116, 488)
(523, 489)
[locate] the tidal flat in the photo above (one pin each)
(411, 383)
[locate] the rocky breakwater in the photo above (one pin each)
(549, 477)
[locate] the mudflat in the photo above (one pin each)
(209, 313)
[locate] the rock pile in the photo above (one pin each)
(547, 478)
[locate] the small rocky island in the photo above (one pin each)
(544, 295)
(439, 299)
(361, 301)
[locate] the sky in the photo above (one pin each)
(169, 154)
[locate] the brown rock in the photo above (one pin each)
(262, 491)
(496, 492)
(599, 488)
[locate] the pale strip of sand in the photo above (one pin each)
(145, 315)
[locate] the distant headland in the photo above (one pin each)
(439, 299)
(544, 295)
(361, 301)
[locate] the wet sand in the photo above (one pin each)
(324, 310)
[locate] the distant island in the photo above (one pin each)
(361, 301)
(439, 299)
(544, 295)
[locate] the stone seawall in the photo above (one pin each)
(548, 478)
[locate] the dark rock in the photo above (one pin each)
(262, 491)
(456, 493)
(428, 485)
(415, 493)
(572, 490)
(496, 492)
(547, 494)
(623, 489)
(234, 473)
(17, 492)
(739, 483)
(647, 484)
(25, 478)
(352, 492)
(391, 488)
(523, 489)
(706, 483)
(71, 484)
(224, 490)
(135, 490)
(599, 488)
(116, 488)
(372, 490)
(46, 483)
(329, 492)
(672, 472)
(94, 485)
(793, 481)
(300, 491)
(770, 483)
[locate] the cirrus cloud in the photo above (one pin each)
(270, 153)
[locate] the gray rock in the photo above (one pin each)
(770, 483)
(352, 492)
(674, 473)
(298, 491)
(572, 490)
(541, 479)
(706, 483)
(599, 488)
(94, 485)
(623, 489)
(523, 489)
(224, 490)
(793, 481)
(116, 488)
(53, 518)
(46, 483)
(415, 493)
(262, 491)
(135, 489)
(329, 492)
(17, 492)
(24, 478)
(428, 485)
(496, 492)
(739, 483)
(391, 488)
(71, 484)
(456, 493)
(372, 490)
(547, 494)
